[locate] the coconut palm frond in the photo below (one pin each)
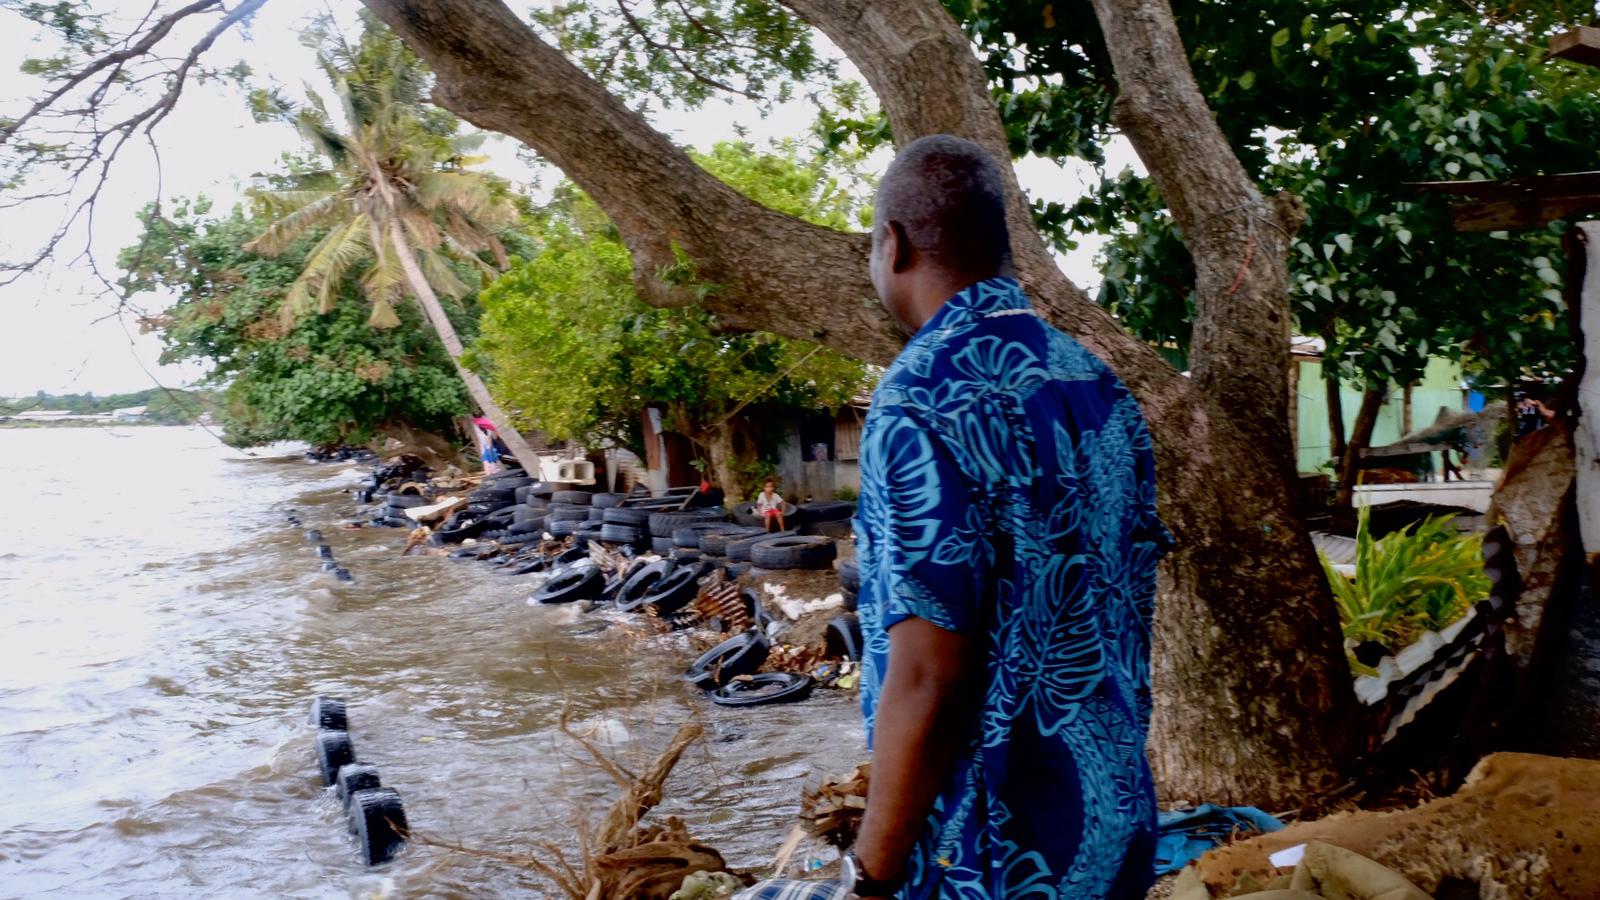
(351, 248)
(296, 304)
(314, 126)
(444, 279)
(420, 230)
(385, 281)
(453, 190)
(294, 213)
(383, 316)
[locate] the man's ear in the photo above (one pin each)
(900, 249)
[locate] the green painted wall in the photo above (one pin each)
(1440, 386)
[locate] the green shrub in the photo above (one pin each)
(845, 493)
(1416, 580)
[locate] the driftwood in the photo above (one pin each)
(833, 811)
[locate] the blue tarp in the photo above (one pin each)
(1183, 835)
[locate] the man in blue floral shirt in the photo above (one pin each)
(1008, 540)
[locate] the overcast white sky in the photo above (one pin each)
(54, 325)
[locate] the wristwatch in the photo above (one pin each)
(857, 883)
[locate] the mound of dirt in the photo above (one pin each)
(1523, 826)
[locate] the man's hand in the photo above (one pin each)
(925, 717)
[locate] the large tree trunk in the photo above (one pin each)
(1335, 393)
(429, 301)
(1252, 688)
(1360, 439)
(719, 444)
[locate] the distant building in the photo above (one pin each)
(129, 413)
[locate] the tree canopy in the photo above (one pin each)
(582, 357)
(324, 379)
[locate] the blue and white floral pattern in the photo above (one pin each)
(1008, 491)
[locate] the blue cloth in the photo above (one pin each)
(1008, 493)
(1187, 834)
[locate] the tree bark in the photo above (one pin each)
(429, 301)
(719, 444)
(1360, 439)
(1335, 389)
(1243, 602)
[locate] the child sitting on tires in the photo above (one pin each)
(769, 504)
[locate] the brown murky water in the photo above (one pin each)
(162, 631)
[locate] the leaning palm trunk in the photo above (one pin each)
(429, 301)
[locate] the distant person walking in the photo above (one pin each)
(485, 432)
(1007, 538)
(769, 505)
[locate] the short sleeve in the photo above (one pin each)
(932, 542)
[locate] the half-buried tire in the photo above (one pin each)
(333, 750)
(759, 690)
(380, 824)
(850, 576)
(355, 777)
(675, 591)
(741, 654)
(582, 583)
(795, 552)
(329, 714)
(641, 584)
(843, 637)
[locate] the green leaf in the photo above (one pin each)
(1344, 242)
(1280, 37)
(1247, 80)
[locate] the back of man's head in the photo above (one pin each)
(947, 195)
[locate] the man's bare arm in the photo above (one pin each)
(925, 717)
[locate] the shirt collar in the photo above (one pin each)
(974, 302)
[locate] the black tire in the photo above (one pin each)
(633, 518)
(597, 516)
(563, 529)
(850, 576)
(333, 750)
(607, 501)
(380, 824)
(843, 637)
(663, 546)
(794, 553)
(662, 525)
(523, 493)
(641, 583)
(567, 587)
(576, 498)
(741, 654)
(586, 533)
(569, 514)
(342, 575)
(690, 535)
(677, 590)
(620, 534)
(517, 540)
(827, 511)
(324, 551)
(405, 501)
(527, 526)
(492, 495)
(760, 690)
(569, 556)
(529, 568)
(739, 551)
(737, 570)
(329, 714)
(715, 543)
(851, 601)
(355, 777)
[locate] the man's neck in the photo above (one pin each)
(935, 289)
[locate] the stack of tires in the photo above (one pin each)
(374, 813)
(664, 525)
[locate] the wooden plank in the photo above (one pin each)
(1580, 45)
(1518, 215)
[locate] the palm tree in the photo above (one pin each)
(398, 203)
